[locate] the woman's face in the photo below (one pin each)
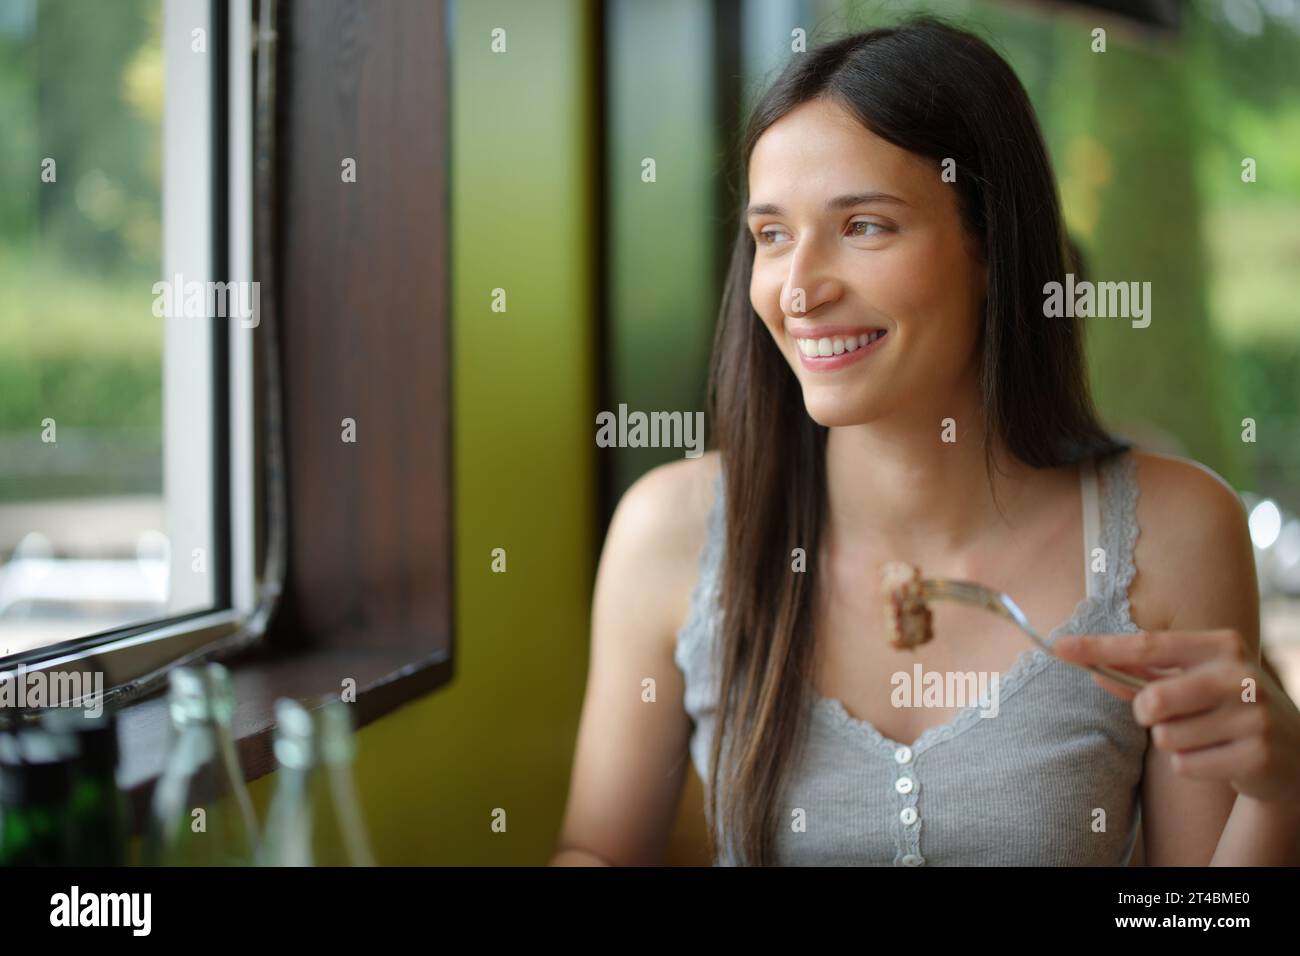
(860, 241)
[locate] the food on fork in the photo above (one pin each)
(908, 621)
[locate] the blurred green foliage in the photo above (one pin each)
(80, 84)
(1148, 140)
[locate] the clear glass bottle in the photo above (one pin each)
(287, 840)
(315, 817)
(201, 774)
(221, 694)
(337, 751)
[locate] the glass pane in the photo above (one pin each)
(84, 531)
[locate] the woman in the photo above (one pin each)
(885, 386)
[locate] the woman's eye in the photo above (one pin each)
(853, 227)
(768, 236)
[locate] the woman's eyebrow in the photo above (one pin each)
(846, 201)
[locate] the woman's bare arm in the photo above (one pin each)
(1195, 555)
(632, 750)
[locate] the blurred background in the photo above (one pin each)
(81, 521)
(614, 293)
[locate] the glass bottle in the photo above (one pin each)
(221, 693)
(287, 840)
(338, 750)
(201, 813)
(315, 819)
(35, 790)
(98, 810)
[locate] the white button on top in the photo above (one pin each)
(909, 815)
(903, 754)
(912, 859)
(904, 784)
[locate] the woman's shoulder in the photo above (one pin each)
(667, 509)
(658, 533)
(1184, 498)
(1193, 546)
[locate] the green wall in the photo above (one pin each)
(502, 734)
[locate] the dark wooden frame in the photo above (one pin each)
(363, 269)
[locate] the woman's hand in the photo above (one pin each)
(1219, 715)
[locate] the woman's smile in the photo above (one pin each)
(828, 350)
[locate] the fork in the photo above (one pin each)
(968, 592)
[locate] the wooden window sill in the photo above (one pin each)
(386, 678)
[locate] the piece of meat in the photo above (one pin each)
(908, 622)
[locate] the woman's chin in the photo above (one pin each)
(839, 413)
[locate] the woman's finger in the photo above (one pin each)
(1231, 720)
(1148, 648)
(1224, 761)
(1192, 692)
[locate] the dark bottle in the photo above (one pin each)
(99, 819)
(36, 781)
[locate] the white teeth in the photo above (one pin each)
(828, 346)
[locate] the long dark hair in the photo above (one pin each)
(941, 93)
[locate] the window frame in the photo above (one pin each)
(208, 152)
(395, 643)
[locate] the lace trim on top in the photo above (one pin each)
(1107, 611)
(1104, 612)
(1121, 499)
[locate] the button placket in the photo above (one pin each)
(908, 787)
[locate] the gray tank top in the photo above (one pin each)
(1054, 780)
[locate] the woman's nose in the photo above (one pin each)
(811, 282)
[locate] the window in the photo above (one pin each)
(126, 330)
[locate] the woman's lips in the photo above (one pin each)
(863, 343)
